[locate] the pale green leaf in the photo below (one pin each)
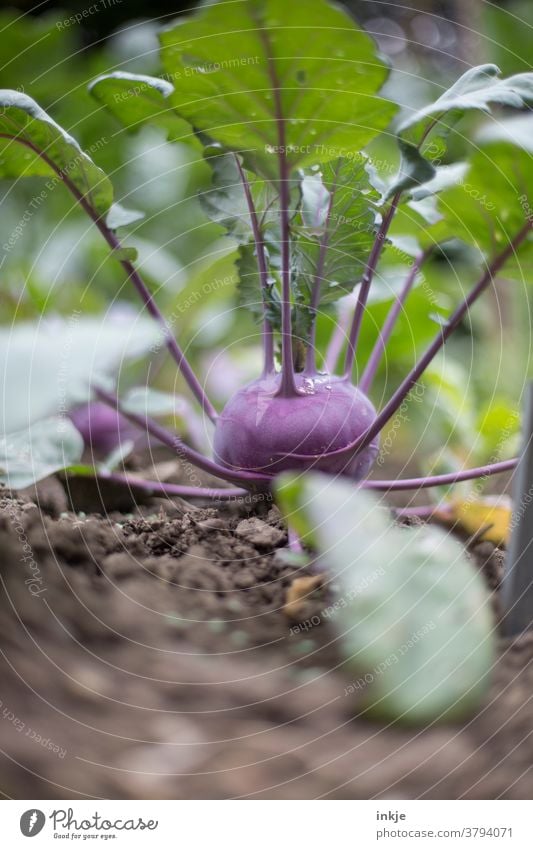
(121, 216)
(422, 135)
(154, 403)
(29, 455)
(49, 367)
(413, 616)
(477, 89)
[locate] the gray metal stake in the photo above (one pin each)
(517, 587)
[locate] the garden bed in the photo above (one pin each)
(149, 655)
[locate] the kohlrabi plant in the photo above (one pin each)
(283, 103)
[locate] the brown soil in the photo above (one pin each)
(148, 656)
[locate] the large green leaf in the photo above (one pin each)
(258, 75)
(136, 100)
(49, 367)
(413, 618)
(32, 454)
(32, 143)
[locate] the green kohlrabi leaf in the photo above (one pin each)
(316, 200)
(136, 100)
(336, 229)
(29, 455)
(414, 618)
(422, 135)
(250, 293)
(273, 79)
(49, 367)
(145, 401)
(494, 199)
(417, 226)
(120, 216)
(32, 144)
(226, 204)
(415, 170)
(225, 201)
(477, 88)
(445, 177)
(114, 460)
